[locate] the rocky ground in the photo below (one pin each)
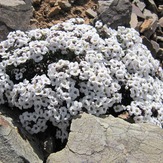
(49, 12)
(146, 16)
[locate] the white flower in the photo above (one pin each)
(18, 76)
(74, 93)
(98, 24)
(119, 108)
(37, 57)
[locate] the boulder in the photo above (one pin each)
(115, 13)
(16, 14)
(4, 30)
(15, 146)
(110, 140)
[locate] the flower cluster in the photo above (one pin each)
(54, 74)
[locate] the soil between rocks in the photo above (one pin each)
(48, 12)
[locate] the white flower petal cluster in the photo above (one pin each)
(54, 74)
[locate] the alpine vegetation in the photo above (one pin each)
(54, 74)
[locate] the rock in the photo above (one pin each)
(160, 8)
(137, 11)
(91, 13)
(54, 11)
(148, 27)
(50, 25)
(36, 2)
(33, 21)
(160, 38)
(104, 4)
(133, 21)
(138, 25)
(116, 14)
(65, 5)
(148, 13)
(155, 46)
(140, 4)
(53, 3)
(71, 1)
(110, 140)
(15, 14)
(149, 45)
(4, 30)
(161, 22)
(14, 146)
(160, 54)
(152, 6)
(80, 2)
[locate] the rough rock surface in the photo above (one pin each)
(146, 18)
(110, 140)
(115, 13)
(4, 30)
(13, 147)
(15, 14)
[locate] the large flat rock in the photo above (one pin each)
(110, 140)
(14, 145)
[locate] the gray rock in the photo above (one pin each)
(155, 45)
(110, 140)
(104, 5)
(14, 145)
(91, 13)
(133, 21)
(15, 14)
(115, 13)
(4, 30)
(151, 45)
(161, 22)
(137, 11)
(140, 3)
(148, 13)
